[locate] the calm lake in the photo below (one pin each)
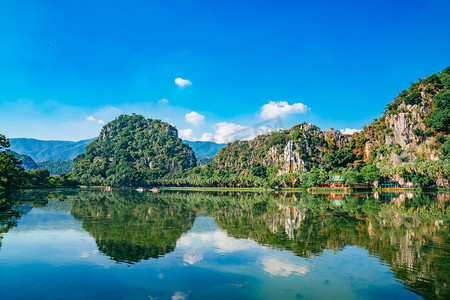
(91, 244)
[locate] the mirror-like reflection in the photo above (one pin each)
(129, 228)
(407, 232)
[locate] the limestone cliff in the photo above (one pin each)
(407, 130)
(297, 149)
(414, 127)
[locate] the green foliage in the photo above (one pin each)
(258, 170)
(412, 99)
(10, 170)
(132, 150)
(340, 158)
(445, 150)
(439, 118)
(314, 177)
(352, 178)
(276, 139)
(57, 167)
(434, 80)
(370, 173)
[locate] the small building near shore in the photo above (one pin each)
(336, 181)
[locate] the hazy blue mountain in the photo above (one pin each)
(27, 162)
(205, 149)
(41, 151)
(48, 150)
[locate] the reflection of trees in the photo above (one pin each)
(409, 232)
(13, 206)
(411, 237)
(129, 227)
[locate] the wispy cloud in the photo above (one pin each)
(182, 82)
(163, 100)
(194, 118)
(92, 119)
(277, 109)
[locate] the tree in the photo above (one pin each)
(258, 170)
(370, 173)
(314, 177)
(352, 177)
(445, 150)
(10, 170)
(439, 118)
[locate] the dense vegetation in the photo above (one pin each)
(408, 232)
(57, 167)
(12, 175)
(410, 143)
(132, 150)
(404, 144)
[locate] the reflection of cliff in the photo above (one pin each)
(407, 233)
(129, 227)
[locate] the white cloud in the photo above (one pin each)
(226, 244)
(278, 267)
(182, 82)
(186, 134)
(281, 109)
(163, 100)
(349, 131)
(92, 119)
(179, 296)
(206, 137)
(228, 132)
(194, 118)
(192, 258)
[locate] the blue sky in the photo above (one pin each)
(67, 67)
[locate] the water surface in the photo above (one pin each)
(91, 244)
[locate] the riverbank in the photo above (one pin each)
(344, 190)
(215, 189)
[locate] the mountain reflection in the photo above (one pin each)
(130, 228)
(13, 206)
(409, 232)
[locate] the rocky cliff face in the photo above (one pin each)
(404, 133)
(409, 130)
(297, 149)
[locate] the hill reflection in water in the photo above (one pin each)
(408, 232)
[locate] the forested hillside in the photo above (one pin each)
(409, 143)
(132, 150)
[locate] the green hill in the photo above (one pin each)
(411, 138)
(132, 150)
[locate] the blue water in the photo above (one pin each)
(49, 254)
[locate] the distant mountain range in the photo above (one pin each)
(41, 151)
(205, 149)
(48, 150)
